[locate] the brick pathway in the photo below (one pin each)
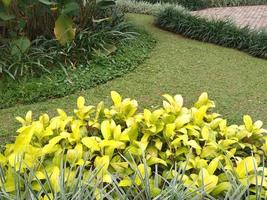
(253, 16)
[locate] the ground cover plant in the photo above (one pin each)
(216, 31)
(102, 68)
(118, 142)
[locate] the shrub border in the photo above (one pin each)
(220, 32)
(128, 56)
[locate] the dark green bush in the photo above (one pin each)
(219, 32)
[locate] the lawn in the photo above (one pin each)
(235, 80)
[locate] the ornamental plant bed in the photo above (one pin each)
(116, 147)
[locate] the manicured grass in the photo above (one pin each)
(236, 81)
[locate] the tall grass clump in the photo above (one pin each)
(224, 33)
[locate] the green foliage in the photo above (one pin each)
(46, 55)
(41, 18)
(220, 32)
(99, 70)
(143, 7)
(37, 36)
(127, 147)
(201, 4)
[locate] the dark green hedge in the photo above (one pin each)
(129, 54)
(201, 4)
(219, 32)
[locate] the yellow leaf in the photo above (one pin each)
(28, 117)
(102, 163)
(54, 179)
(179, 101)
(258, 181)
(21, 120)
(169, 98)
(116, 98)
(169, 131)
(208, 151)
(64, 30)
(200, 114)
(155, 160)
(245, 166)
(91, 143)
(10, 182)
(49, 147)
(126, 182)
(3, 160)
(106, 130)
(194, 144)
(213, 165)
(142, 173)
(248, 122)
(182, 120)
(117, 132)
(112, 143)
(258, 124)
(224, 186)
(23, 139)
(107, 178)
(147, 115)
(205, 133)
(158, 144)
(209, 182)
(80, 102)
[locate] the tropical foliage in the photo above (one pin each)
(117, 143)
(48, 18)
(39, 36)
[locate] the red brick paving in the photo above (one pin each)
(253, 16)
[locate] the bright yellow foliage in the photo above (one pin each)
(104, 137)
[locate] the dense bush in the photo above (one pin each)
(143, 7)
(116, 143)
(99, 70)
(201, 4)
(61, 19)
(223, 33)
(46, 55)
(30, 31)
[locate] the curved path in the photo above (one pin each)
(235, 80)
(253, 16)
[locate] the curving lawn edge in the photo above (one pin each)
(220, 32)
(129, 54)
(177, 65)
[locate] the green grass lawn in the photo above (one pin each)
(236, 81)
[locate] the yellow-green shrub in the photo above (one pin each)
(116, 139)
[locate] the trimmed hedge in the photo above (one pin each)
(201, 4)
(220, 32)
(143, 7)
(129, 54)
